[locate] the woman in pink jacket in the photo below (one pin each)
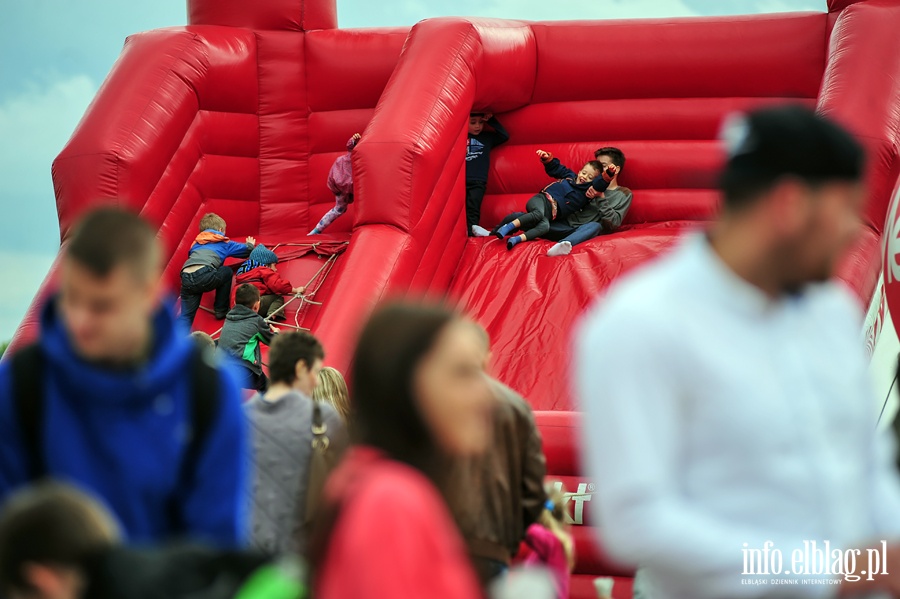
(419, 397)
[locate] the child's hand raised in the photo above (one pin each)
(251, 240)
(487, 116)
(356, 137)
(544, 156)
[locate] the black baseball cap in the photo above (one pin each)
(770, 143)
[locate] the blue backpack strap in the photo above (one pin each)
(28, 401)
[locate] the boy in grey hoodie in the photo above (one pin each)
(243, 331)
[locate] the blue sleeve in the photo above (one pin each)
(599, 183)
(500, 136)
(237, 250)
(13, 472)
(557, 170)
(217, 508)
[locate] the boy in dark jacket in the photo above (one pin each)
(259, 271)
(558, 200)
(243, 331)
(478, 162)
(204, 270)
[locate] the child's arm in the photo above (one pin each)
(276, 284)
(351, 143)
(500, 135)
(553, 167)
(240, 250)
(540, 540)
(600, 183)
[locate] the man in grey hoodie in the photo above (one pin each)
(243, 331)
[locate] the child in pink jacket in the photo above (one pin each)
(340, 182)
(551, 544)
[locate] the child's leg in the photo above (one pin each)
(222, 280)
(534, 223)
(474, 197)
(269, 304)
(190, 303)
(505, 224)
(340, 207)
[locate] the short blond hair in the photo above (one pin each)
(211, 220)
(333, 389)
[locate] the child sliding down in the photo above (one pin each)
(340, 182)
(558, 200)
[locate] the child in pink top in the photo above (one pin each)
(551, 543)
(340, 182)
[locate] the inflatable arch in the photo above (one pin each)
(243, 111)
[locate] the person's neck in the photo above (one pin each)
(614, 184)
(739, 248)
(276, 391)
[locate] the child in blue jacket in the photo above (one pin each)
(204, 269)
(566, 196)
(478, 163)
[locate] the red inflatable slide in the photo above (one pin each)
(243, 111)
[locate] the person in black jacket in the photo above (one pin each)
(478, 162)
(562, 198)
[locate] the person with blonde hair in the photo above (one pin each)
(333, 389)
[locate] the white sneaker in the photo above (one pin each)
(563, 248)
(480, 231)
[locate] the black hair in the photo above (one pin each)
(771, 144)
(289, 348)
(246, 295)
(106, 238)
(616, 156)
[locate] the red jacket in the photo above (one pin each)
(266, 280)
(394, 536)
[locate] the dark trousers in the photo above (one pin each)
(268, 304)
(195, 284)
(250, 380)
(536, 222)
(474, 197)
(560, 230)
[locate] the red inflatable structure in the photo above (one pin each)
(243, 111)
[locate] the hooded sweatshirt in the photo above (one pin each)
(211, 248)
(122, 435)
(241, 334)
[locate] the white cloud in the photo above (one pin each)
(34, 125)
(23, 273)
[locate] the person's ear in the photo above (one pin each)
(49, 582)
(789, 206)
(300, 369)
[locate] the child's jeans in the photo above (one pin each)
(195, 284)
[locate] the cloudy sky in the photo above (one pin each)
(55, 54)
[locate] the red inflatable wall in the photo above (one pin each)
(243, 111)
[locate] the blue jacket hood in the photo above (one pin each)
(172, 348)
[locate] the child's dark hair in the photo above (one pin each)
(50, 523)
(213, 221)
(595, 164)
(616, 156)
(289, 348)
(246, 295)
(474, 114)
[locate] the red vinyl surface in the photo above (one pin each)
(243, 111)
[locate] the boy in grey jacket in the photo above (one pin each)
(243, 331)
